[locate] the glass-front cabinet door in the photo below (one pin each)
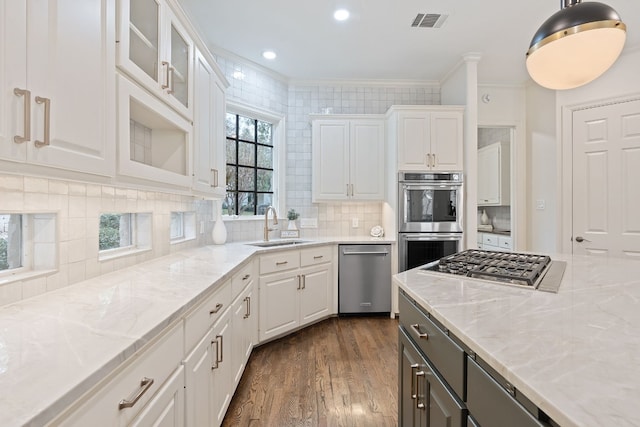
(156, 51)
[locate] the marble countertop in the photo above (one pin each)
(575, 354)
(56, 346)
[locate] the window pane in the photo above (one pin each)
(231, 151)
(246, 179)
(264, 200)
(230, 125)
(246, 154)
(10, 241)
(229, 204)
(115, 231)
(177, 225)
(265, 179)
(246, 202)
(232, 183)
(265, 157)
(247, 129)
(264, 133)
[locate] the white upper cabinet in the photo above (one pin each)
(156, 50)
(348, 159)
(494, 181)
(208, 127)
(57, 100)
(154, 142)
(428, 138)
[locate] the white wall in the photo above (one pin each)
(542, 185)
(504, 106)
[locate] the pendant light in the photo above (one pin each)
(575, 45)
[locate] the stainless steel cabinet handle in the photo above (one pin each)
(414, 395)
(433, 159)
(216, 309)
(282, 262)
(318, 257)
(217, 362)
(347, 190)
(214, 178)
(166, 80)
(419, 405)
(304, 282)
(351, 190)
(27, 115)
(221, 352)
(416, 327)
(47, 121)
(246, 276)
(170, 79)
(145, 384)
(299, 282)
(581, 239)
(248, 312)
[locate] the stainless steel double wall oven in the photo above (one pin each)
(429, 216)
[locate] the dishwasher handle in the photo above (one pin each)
(344, 252)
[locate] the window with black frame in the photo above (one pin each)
(249, 153)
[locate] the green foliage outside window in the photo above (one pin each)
(109, 235)
(4, 261)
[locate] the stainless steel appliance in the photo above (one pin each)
(429, 217)
(416, 249)
(430, 202)
(530, 271)
(364, 279)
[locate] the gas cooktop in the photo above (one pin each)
(527, 270)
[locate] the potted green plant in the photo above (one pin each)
(292, 215)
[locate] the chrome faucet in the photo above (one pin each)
(266, 221)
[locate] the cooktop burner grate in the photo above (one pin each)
(510, 267)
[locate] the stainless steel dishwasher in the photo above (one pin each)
(364, 279)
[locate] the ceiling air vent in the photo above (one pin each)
(429, 20)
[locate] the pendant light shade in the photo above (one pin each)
(575, 45)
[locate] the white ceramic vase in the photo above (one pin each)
(484, 219)
(292, 225)
(219, 232)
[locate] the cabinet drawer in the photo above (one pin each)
(490, 239)
(280, 261)
(490, 404)
(447, 357)
(204, 315)
(505, 242)
(314, 256)
(241, 279)
(156, 363)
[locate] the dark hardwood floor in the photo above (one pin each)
(340, 372)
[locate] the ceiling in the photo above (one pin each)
(378, 42)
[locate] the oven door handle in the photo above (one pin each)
(432, 237)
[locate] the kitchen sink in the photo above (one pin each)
(273, 243)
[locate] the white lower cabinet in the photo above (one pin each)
(167, 407)
(151, 380)
(208, 375)
(298, 296)
(214, 367)
(245, 325)
(495, 242)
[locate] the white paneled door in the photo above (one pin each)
(606, 180)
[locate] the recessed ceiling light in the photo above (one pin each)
(341, 15)
(269, 54)
(238, 75)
